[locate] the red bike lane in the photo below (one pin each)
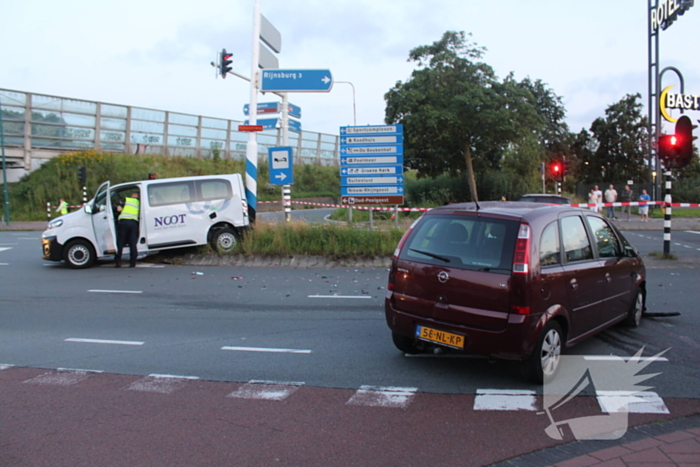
(55, 418)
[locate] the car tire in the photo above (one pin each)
(543, 364)
(404, 344)
(224, 240)
(79, 254)
(634, 315)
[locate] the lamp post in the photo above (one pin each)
(354, 114)
(4, 171)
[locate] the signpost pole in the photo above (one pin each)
(286, 189)
(4, 172)
(251, 153)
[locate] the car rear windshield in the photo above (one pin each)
(464, 242)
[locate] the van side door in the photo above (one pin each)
(103, 221)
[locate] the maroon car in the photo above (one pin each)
(512, 280)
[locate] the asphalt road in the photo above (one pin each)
(296, 360)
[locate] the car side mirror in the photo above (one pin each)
(631, 252)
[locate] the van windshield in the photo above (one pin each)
(464, 242)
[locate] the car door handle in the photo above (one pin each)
(574, 284)
(608, 278)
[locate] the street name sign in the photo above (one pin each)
(272, 123)
(273, 108)
(371, 130)
(356, 200)
(391, 170)
(281, 80)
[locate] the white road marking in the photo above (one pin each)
(339, 296)
(383, 396)
(505, 399)
(602, 358)
(266, 390)
(162, 384)
(5, 366)
(5, 248)
(631, 402)
(115, 291)
(264, 349)
(102, 341)
(7, 264)
(60, 378)
(693, 232)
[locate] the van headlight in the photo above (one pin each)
(54, 224)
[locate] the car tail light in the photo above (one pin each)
(521, 258)
(520, 310)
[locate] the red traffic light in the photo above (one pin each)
(556, 168)
(224, 63)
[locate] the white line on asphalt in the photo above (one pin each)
(115, 291)
(79, 370)
(7, 264)
(156, 375)
(383, 396)
(102, 341)
(340, 296)
(5, 248)
(693, 231)
(505, 399)
(266, 390)
(264, 349)
(602, 358)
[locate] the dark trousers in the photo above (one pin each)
(127, 232)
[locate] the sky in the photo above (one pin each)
(157, 54)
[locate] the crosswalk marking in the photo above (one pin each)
(383, 396)
(266, 390)
(60, 377)
(162, 384)
(631, 402)
(505, 399)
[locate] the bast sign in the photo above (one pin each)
(670, 101)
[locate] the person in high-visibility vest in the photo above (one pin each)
(128, 229)
(62, 207)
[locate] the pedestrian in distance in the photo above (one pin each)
(611, 197)
(599, 198)
(62, 207)
(128, 229)
(627, 196)
(643, 206)
(593, 200)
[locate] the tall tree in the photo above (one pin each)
(620, 143)
(456, 113)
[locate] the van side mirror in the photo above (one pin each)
(88, 208)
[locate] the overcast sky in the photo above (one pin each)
(157, 54)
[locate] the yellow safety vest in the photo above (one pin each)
(130, 211)
(63, 207)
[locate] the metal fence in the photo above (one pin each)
(42, 126)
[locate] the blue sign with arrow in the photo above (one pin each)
(280, 164)
(279, 80)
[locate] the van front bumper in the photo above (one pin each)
(51, 249)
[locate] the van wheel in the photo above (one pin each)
(224, 240)
(79, 254)
(544, 362)
(404, 344)
(634, 315)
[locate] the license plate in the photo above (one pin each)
(440, 337)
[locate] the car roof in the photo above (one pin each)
(518, 209)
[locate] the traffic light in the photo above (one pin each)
(555, 168)
(151, 176)
(684, 135)
(669, 148)
(82, 175)
(565, 167)
(224, 63)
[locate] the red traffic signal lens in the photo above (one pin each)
(556, 168)
(673, 140)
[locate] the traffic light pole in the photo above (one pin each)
(667, 216)
(4, 173)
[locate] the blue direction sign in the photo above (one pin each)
(373, 160)
(280, 80)
(371, 180)
(370, 150)
(280, 164)
(263, 108)
(371, 139)
(371, 130)
(391, 170)
(371, 190)
(294, 111)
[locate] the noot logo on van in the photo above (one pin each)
(176, 220)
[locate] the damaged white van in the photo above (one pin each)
(174, 213)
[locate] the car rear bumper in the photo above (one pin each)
(514, 342)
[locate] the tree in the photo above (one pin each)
(621, 143)
(456, 113)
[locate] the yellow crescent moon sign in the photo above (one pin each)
(662, 104)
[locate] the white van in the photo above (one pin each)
(175, 213)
